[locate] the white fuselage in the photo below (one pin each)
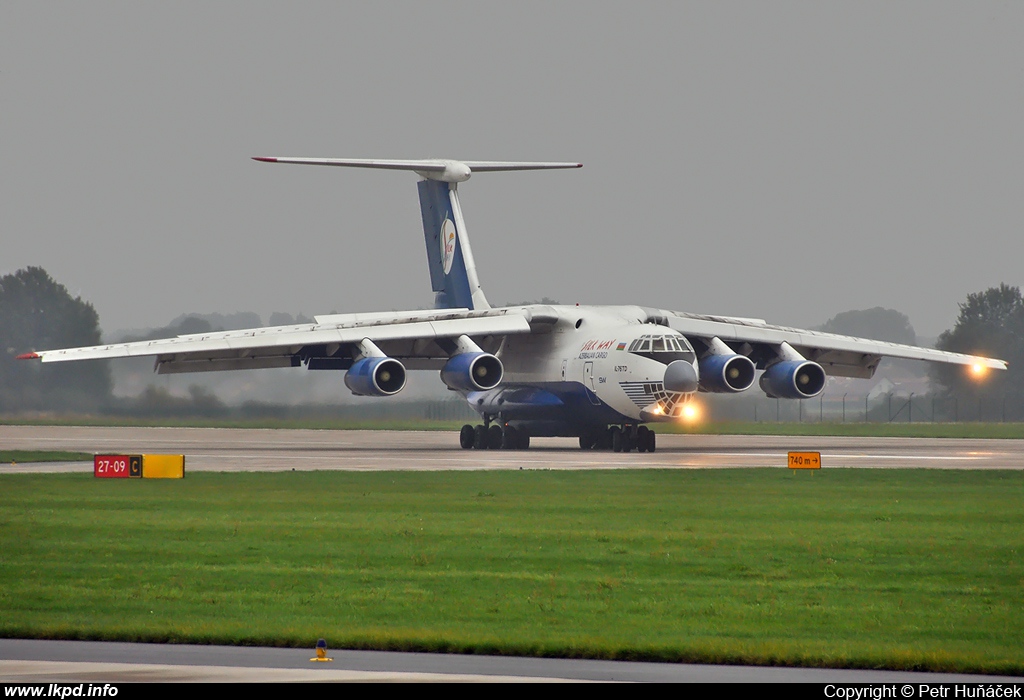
(607, 350)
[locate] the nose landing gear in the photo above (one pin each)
(491, 436)
(624, 438)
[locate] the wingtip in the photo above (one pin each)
(264, 159)
(28, 356)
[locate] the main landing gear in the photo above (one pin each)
(492, 436)
(624, 438)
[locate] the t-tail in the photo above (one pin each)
(452, 269)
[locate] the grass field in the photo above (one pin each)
(15, 456)
(915, 569)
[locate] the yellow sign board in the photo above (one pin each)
(163, 466)
(805, 460)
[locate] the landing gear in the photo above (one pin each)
(624, 438)
(467, 436)
(644, 439)
(479, 437)
(493, 437)
(620, 441)
(592, 440)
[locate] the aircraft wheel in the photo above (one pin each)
(509, 438)
(650, 440)
(587, 441)
(480, 437)
(524, 440)
(604, 439)
(494, 437)
(618, 440)
(641, 438)
(467, 436)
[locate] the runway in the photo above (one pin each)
(31, 660)
(216, 449)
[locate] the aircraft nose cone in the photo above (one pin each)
(681, 377)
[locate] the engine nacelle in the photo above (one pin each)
(376, 376)
(472, 371)
(726, 374)
(793, 379)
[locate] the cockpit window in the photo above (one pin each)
(642, 344)
(663, 348)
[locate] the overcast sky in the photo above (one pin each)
(787, 161)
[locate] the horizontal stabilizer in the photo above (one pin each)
(432, 168)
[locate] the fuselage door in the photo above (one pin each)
(588, 375)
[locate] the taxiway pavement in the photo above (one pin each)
(219, 449)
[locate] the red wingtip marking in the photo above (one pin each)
(28, 356)
(264, 159)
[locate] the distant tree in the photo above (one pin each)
(990, 324)
(543, 300)
(158, 402)
(280, 318)
(183, 325)
(225, 322)
(877, 323)
(37, 313)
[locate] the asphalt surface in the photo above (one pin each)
(215, 449)
(29, 660)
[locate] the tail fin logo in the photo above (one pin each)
(447, 245)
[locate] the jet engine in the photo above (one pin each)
(376, 376)
(793, 379)
(472, 371)
(726, 374)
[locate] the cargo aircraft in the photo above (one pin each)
(599, 373)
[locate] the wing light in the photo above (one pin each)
(978, 371)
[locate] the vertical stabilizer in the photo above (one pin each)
(452, 270)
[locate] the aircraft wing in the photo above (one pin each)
(418, 338)
(839, 355)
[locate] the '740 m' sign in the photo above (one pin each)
(805, 460)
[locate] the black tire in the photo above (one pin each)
(587, 441)
(604, 439)
(467, 437)
(524, 440)
(480, 437)
(618, 440)
(641, 438)
(651, 440)
(509, 438)
(494, 437)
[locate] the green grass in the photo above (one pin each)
(901, 569)
(15, 456)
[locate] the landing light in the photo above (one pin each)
(978, 370)
(691, 413)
